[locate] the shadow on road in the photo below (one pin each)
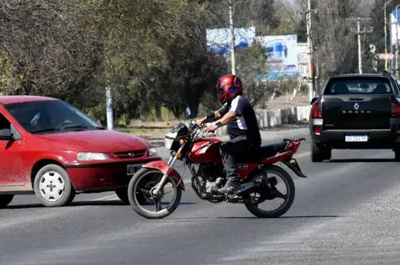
(362, 160)
(256, 218)
(80, 203)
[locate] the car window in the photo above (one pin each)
(358, 86)
(4, 123)
(50, 116)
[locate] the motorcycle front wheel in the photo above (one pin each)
(154, 207)
(274, 196)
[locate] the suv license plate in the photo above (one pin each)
(356, 138)
(132, 169)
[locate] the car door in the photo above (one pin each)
(11, 162)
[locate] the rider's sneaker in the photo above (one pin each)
(232, 186)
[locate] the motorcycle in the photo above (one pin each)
(157, 180)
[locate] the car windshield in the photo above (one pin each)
(358, 86)
(50, 116)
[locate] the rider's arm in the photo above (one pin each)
(211, 116)
(227, 118)
(214, 115)
(231, 112)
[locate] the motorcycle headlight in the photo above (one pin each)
(168, 143)
(91, 156)
(152, 152)
(169, 139)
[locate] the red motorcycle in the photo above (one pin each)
(155, 190)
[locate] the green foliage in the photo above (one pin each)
(152, 53)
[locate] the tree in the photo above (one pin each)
(48, 48)
(332, 32)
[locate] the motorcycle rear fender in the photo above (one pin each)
(165, 169)
(294, 166)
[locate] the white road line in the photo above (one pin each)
(106, 198)
(302, 155)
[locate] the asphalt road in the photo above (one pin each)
(346, 212)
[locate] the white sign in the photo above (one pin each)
(219, 40)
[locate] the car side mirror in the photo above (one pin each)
(6, 134)
(190, 113)
(313, 100)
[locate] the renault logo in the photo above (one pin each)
(356, 106)
(131, 154)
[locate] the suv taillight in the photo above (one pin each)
(395, 107)
(317, 110)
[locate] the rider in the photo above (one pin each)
(243, 130)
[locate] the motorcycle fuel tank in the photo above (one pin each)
(206, 151)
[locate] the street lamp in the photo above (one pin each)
(385, 23)
(232, 29)
(397, 45)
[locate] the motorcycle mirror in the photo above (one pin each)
(189, 113)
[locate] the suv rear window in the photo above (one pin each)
(358, 86)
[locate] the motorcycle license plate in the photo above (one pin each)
(131, 169)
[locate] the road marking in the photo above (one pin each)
(302, 155)
(106, 198)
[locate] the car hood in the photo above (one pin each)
(104, 141)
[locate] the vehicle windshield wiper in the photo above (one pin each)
(69, 127)
(45, 130)
(81, 126)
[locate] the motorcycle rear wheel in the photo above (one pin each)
(289, 197)
(141, 184)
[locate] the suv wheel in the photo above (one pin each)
(397, 155)
(319, 153)
(327, 153)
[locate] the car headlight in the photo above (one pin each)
(152, 151)
(92, 156)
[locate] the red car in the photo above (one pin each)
(52, 149)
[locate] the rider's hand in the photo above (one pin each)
(211, 128)
(199, 122)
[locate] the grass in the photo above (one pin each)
(146, 131)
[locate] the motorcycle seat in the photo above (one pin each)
(270, 150)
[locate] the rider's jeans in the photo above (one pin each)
(239, 149)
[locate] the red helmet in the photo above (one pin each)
(228, 87)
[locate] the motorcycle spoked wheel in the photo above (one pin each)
(265, 194)
(142, 183)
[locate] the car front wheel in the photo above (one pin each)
(53, 186)
(5, 200)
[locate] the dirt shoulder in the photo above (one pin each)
(156, 130)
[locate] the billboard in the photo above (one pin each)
(219, 40)
(282, 55)
(282, 50)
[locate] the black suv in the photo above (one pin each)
(356, 111)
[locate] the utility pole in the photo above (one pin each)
(232, 29)
(109, 109)
(310, 71)
(359, 32)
